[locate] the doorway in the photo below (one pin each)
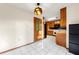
(38, 29)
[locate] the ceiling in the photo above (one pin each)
(49, 9)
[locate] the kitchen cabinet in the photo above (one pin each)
(61, 38)
(63, 17)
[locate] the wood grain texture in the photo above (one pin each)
(63, 17)
(38, 32)
(61, 39)
(49, 24)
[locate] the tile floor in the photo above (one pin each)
(43, 47)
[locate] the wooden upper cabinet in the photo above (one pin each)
(50, 24)
(63, 17)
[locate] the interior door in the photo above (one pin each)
(37, 29)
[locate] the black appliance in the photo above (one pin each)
(74, 38)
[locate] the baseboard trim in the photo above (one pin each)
(18, 47)
(15, 48)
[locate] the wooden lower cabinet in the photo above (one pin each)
(61, 39)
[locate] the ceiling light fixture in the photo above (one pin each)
(38, 10)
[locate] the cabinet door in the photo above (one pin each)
(61, 39)
(50, 24)
(63, 17)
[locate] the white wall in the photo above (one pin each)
(16, 27)
(73, 13)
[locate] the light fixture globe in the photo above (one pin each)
(38, 10)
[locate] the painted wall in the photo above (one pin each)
(16, 27)
(73, 13)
